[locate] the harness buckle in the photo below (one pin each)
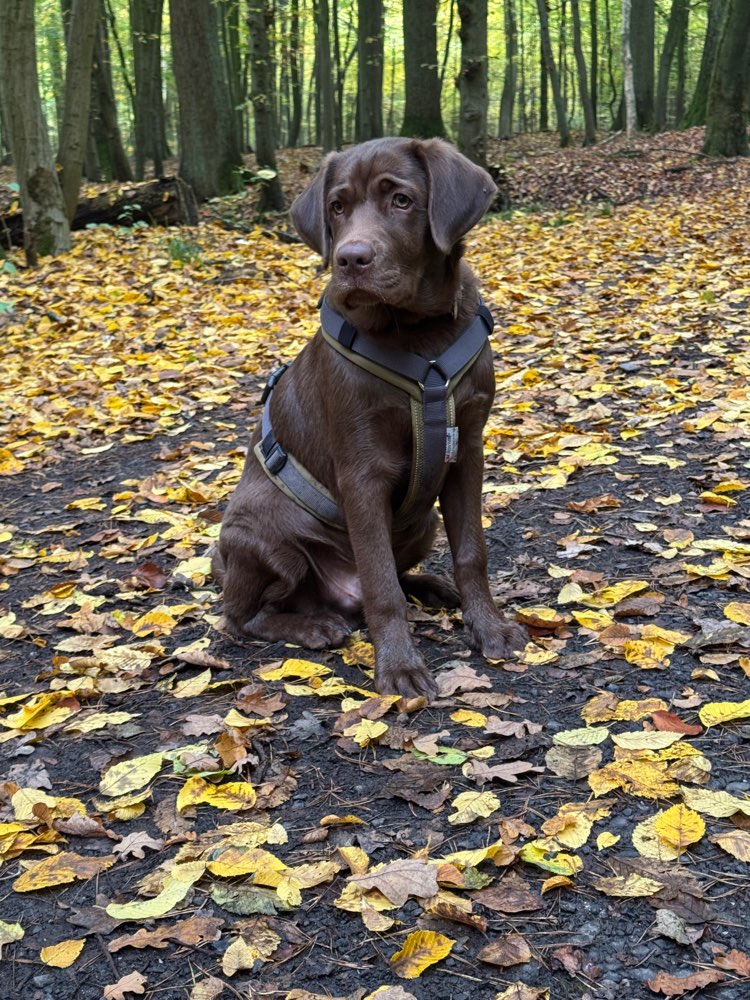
(276, 459)
(273, 378)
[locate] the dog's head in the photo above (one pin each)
(388, 215)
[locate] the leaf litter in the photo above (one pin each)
(207, 818)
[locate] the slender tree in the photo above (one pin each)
(75, 120)
(422, 114)
(46, 229)
(150, 131)
(370, 38)
(726, 127)
(510, 78)
(326, 91)
(642, 27)
(295, 78)
(554, 78)
(106, 158)
(631, 122)
(472, 80)
(676, 27)
(594, 28)
(209, 151)
(589, 135)
(259, 22)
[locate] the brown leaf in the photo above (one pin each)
(677, 986)
(569, 958)
(671, 723)
(462, 677)
(734, 960)
(506, 898)
(193, 932)
(256, 699)
(502, 727)
(573, 762)
(482, 772)
(400, 879)
(150, 574)
(510, 950)
(135, 844)
(134, 982)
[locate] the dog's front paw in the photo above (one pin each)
(410, 678)
(496, 638)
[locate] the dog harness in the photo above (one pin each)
(430, 386)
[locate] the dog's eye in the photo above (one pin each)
(336, 207)
(401, 200)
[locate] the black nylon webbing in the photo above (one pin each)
(431, 383)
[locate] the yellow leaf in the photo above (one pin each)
(63, 954)
(606, 839)
(473, 805)
(647, 654)
(293, 668)
(99, 720)
(587, 736)
(715, 712)
(421, 949)
(734, 842)
(237, 795)
(366, 731)
(556, 882)
(649, 844)
(594, 620)
(738, 611)
(468, 718)
(718, 804)
(680, 827)
(631, 885)
(157, 622)
(243, 860)
(607, 597)
(355, 858)
(718, 499)
(61, 869)
(646, 740)
(192, 686)
(9, 933)
(359, 654)
(571, 593)
(544, 854)
(130, 775)
(646, 778)
(42, 710)
(243, 955)
(175, 888)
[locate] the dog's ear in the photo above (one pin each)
(460, 192)
(308, 211)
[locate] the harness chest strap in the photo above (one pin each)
(430, 384)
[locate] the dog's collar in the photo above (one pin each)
(429, 383)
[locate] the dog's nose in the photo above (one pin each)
(355, 256)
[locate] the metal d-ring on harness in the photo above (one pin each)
(430, 386)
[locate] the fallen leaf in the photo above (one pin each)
(420, 950)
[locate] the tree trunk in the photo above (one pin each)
(150, 130)
(75, 122)
(554, 79)
(105, 141)
(46, 229)
(259, 23)
(472, 80)
(589, 136)
(594, 88)
(678, 19)
(209, 151)
(642, 25)
(696, 112)
(726, 131)
(295, 117)
(422, 113)
(631, 123)
(370, 36)
(326, 89)
(508, 96)
(230, 37)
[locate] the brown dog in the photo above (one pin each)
(389, 215)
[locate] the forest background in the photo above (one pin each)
(116, 87)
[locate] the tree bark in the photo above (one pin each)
(295, 80)
(678, 19)
(472, 80)
(326, 89)
(554, 79)
(259, 22)
(726, 131)
(589, 135)
(642, 24)
(594, 75)
(46, 229)
(150, 129)
(696, 112)
(422, 113)
(106, 151)
(210, 157)
(631, 122)
(75, 121)
(370, 69)
(508, 96)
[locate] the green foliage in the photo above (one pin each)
(184, 251)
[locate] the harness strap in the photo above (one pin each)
(430, 385)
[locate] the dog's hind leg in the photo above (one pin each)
(431, 590)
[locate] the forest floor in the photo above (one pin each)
(182, 816)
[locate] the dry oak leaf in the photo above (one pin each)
(63, 954)
(61, 869)
(134, 982)
(389, 993)
(513, 949)
(520, 991)
(736, 961)
(481, 772)
(136, 843)
(193, 932)
(398, 880)
(207, 989)
(420, 950)
(461, 678)
(677, 986)
(508, 898)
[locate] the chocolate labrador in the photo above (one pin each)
(379, 416)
